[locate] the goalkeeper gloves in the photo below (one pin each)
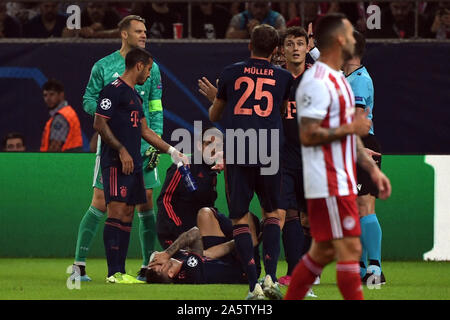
(153, 154)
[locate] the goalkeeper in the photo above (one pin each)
(133, 33)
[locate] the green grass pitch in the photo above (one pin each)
(34, 278)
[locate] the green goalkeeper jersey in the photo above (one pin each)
(107, 70)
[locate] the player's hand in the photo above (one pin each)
(382, 182)
(127, 161)
(371, 153)
(207, 89)
(361, 125)
(178, 157)
(153, 154)
(159, 258)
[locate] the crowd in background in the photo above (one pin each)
(217, 21)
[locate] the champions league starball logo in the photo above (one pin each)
(192, 262)
(105, 104)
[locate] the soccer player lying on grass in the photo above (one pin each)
(199, 264)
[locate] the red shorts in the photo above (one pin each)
(333, 218)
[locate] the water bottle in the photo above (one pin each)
(188, 179)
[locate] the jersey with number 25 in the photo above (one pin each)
(254, 91)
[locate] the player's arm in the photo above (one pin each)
(102, 127)
(368, 164)
(219, 250)
(191, 239)
(93, 88)
(152, 138)
(156, 117)
(216, 109)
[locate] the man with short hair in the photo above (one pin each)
(49, 23)
(371, 234)
(62, 132)
(14, 142)
(329, 133)
(121, 123)
(252, 95)
(242, 24)
(133, 34)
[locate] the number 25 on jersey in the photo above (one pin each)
(259, 94)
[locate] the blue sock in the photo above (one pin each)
(125, 231)
(271, 246)
(371, 237)
(293, 239)
(244, 247)
(111, 239)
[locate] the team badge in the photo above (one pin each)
(192, 262)
(105, 104)
(349, 223)
(123, 191)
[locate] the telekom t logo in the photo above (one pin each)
(134, 118)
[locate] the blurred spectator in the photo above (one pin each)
(440, 29)
(9, 26)
(209, 21)
(242, 24)
(49, 23)
(123, 9)
(159, 19)
(22, 11)
(311, 11)
(14, 142)
(62, 132)
(97, 21)
(398, 21)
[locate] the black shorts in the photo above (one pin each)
(292, 195)
(365, 184)
(123, 188)
(166, 236)
(241, 183)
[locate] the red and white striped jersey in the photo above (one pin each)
(329, 169)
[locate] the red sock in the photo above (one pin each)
(303, 277)
(349, 281)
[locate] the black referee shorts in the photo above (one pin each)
(365, 184)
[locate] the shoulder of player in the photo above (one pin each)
(105, 61)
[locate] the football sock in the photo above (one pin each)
(125, 231)
(306, 243)
(257, 257)
(371, 237)
(86, 232)
(244, 247)
(303, 277)
(348, 280)
(147, 234)
(271, 246)
(111, 239)
(293, 240)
